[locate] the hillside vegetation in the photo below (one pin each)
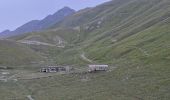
(131, 36)
(14, 55)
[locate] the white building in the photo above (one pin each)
(93, 68)
(53, 69)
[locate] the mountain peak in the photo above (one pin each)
(5, 31)
(66, 9)
(38, 25)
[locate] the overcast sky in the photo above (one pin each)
(14, 13)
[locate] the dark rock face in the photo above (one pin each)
(39, 25)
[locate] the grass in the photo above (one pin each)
(15, 55)
(138, 59)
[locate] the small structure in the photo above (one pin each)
(54, 69)
(93, 68)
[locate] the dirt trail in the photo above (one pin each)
(29, 42)
(30, 97)
(35, 43)
(85, 58)
(141, 50)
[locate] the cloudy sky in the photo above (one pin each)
(14, 13)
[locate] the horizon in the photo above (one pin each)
(12, 16)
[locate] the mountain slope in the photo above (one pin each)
(15, 55)
(133, 39)
(131, 36)
(106, 25)
(39, 25)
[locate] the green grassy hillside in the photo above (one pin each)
(131, 36)
(15, 55)
(108, 30)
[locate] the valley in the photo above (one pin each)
(132, 37)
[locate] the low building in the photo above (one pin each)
(93, 68)
(54, 69)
